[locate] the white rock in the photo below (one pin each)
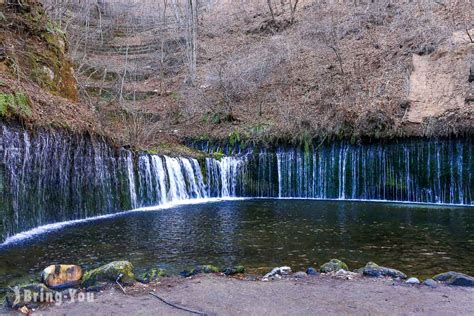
(285, 270)
(343, 274)
(277, 272)
(413, 281)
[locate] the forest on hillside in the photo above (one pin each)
(159, 70)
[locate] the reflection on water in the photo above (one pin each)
(420, 240)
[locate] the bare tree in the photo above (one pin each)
(162, 49)
(270, 7)
(191, 38)
(293, 10)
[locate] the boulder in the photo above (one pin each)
(61, 276)
(30, 295)
(333, 266)
(205, 269)
(300, 275)
(412, 281)
(430, 283)
(374, 270)
(185, 273)
(312, 271)
(346, 275)
(234, 270)
(122, 270)
(455, 278)
(277, 273)
(151, 275)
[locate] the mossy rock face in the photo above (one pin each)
(234, 270)
(42, 50)
(205, 269)
(151, 275)
(16, 104)
(29, 295)
(109, 273)
(455, 278)
(372, 269)
(333, 266)
(61, 276)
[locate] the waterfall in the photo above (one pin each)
(160, 176)
(131, 180)
(53, 176)
(416, 170)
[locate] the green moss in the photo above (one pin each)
(109, 273)
(333, 266)
(151, 275)
(307, 142)
(15, 104)
(174, 150)
(22, 104)
(5, 102)
(234, 138)
(208, 268)
(218, 155)
(152, 151)
(234, 270)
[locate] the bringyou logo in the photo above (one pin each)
(24, 296)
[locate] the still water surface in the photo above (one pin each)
(420, 240)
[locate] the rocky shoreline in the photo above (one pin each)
(62, 282)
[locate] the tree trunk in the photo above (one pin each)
(269, 2)
(191, 40)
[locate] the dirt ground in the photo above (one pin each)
(320, 295)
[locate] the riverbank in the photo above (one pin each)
(323, 294)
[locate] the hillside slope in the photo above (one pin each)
(37, 83)
(358, 71)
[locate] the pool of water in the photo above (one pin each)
(420, 240)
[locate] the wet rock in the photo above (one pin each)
(430, 283)
(109, 273)
(346, 275)
(185, 274)
(30, 295)
(412, 281)
(300, 275)
(312, 271)
(277, 273)
(455, 278)
(333, 266)
(61, 276)
(151, 275)
(374, 270)
(205, 269)
(234, 270)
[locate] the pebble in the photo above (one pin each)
(413, 281)
(312, 271)
(430, 283)
(300, 275)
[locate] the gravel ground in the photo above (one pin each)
(322, 295)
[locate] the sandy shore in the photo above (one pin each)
(323, 295)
